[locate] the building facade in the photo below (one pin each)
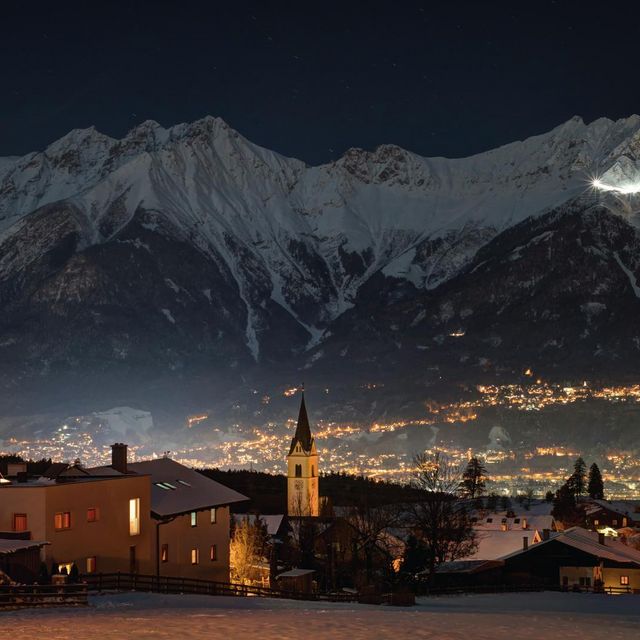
(96, 524)
(153, 517)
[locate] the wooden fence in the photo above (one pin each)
(42, 595)
(100, 582)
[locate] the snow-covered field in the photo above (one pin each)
(495, 617)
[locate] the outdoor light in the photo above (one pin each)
(625, 189)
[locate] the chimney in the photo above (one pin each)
(601, 538)
(545, 534)
(119, 457)
(525, 543)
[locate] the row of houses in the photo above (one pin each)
(530, 547)
(153, 517)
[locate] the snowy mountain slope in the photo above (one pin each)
(191, 246)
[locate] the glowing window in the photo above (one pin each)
(214, 515)
(164, 555)
(195, 556)
(213, 553)
(134, 516)
(20, 522)
(91, 564)
(92, 514)
(194, 519)
(624, 581)
(62, 520)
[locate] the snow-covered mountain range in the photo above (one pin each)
(192, 249)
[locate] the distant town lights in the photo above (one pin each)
(625, 189)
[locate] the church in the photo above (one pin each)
(302, 470)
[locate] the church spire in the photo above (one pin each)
(303, 430)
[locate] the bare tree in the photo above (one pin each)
(246, 550)
(440, 519)
(372, 536)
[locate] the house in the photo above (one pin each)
(189, 516)
(614, 514)
(576, 558)
(297, 580)
(154, 517)
(20, 559)
(96, 524)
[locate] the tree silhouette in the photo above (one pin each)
(473, 479)
(595, 486)
(577, 482)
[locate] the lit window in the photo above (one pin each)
(213, 553)
(20, 522)
(91, 564)
(624, 581)
(596, 523)
(194, 519)
(164, 555)
(214, 515)
(134, 516)
(195, 556)
(62, 520)
(92, 514)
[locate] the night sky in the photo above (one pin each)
(313, 79)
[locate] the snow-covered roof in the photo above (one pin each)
(628, 508)
(177, 489)
(295, 573)
(496, 522)
(589, 542)
(11, 546)
(494, 544)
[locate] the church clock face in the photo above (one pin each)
(298, 485)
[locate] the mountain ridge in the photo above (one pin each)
(190, 245)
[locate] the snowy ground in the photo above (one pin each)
(495, 617)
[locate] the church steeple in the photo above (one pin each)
(302, 469)
(303, 430)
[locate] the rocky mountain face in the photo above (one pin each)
(191, 254)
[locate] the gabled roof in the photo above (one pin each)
(588, 542)
(8, 546)
(303, 430)
(176, 489)
(272, 522)
(627, 508)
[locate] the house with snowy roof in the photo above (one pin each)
(154, 516)
(612, 514)
(576, 559)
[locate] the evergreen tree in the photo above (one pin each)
(577, 482)
(595, 486)
(473, 479)
(549, 496)
(565, 508)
